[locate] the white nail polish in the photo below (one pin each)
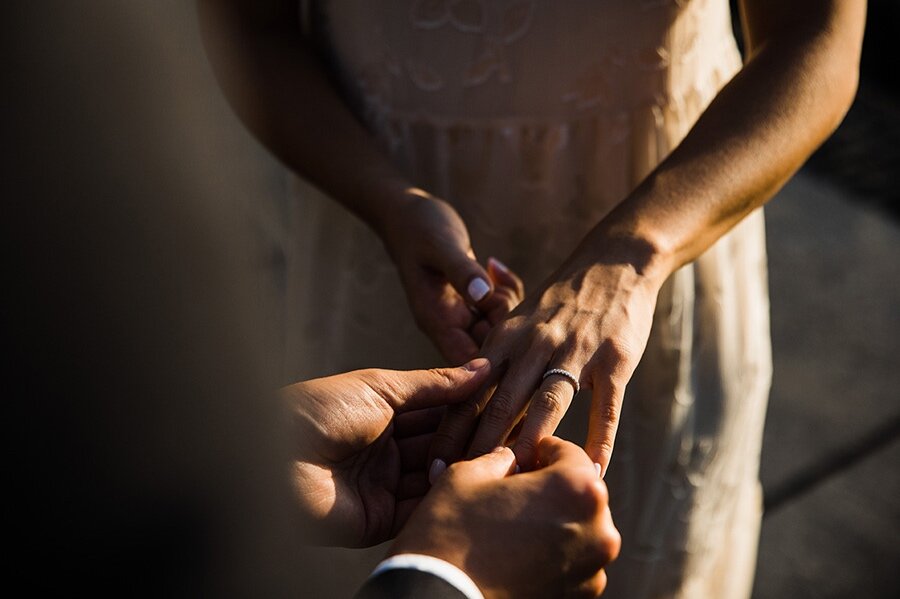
(437, 469)
(598, 468)
(478, 288)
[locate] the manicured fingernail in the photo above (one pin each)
(598, 468)
(478, 289)
(476, 364)
(498, 265)
(437, 469)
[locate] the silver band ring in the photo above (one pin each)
(566, 375)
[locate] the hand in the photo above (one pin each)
(592, 318)
(453, 299)
(546, 533)
(362, 440)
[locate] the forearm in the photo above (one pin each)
(792, 93)
(279, 89)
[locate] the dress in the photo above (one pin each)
(534, 118)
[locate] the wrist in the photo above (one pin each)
(607, 246)
(390, 195)
(439, 542)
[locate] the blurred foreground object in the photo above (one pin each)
(146, 449)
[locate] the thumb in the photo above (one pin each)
(420, 389)
(465, 274)
(555, 451)
(494, 465)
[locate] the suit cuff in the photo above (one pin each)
(432, 565)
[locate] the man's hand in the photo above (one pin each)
(362, 444)
(545, 533)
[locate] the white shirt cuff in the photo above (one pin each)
(438, 567)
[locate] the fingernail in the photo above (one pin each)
(437, 469)
(498, 449)
(478, 289)
(498, 265)
(598, 468)
(518, 469)
(476, 364)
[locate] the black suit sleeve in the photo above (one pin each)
(402, 582)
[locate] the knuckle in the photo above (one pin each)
(589, 495)
(550, 405)
(526, 451)
(547, 337)
(613, 544)
(601, 449)
(565, 482)
(501, 410)
(601, 493)
(610, 411)
(614, 352)
(597, 585)
(465, 411)
(606, 544)
(499, 331)
(442, 377)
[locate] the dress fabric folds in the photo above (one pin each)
(534, 118)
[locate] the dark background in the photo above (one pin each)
(831, 456)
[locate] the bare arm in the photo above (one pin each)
(799, 80)
(278, 87)
(593, 316)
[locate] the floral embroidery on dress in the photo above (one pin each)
(497, 29)
(490, 60)
(468, 16)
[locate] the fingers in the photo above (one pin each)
(504, 277)
(459, 422)
(480, 329)
(593, 587)
(606, 406)
(547, 407)
(508, 292)
(420, 389)
(553, 451)
(497, 464)
(417, 422)
(456, 345)
(508, 402)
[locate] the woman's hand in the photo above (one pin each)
(592, 318)
(454, 300)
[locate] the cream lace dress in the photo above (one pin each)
(534, 118)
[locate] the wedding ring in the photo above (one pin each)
(566, 375)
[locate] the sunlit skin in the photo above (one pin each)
(592, 316)
(359, 471)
